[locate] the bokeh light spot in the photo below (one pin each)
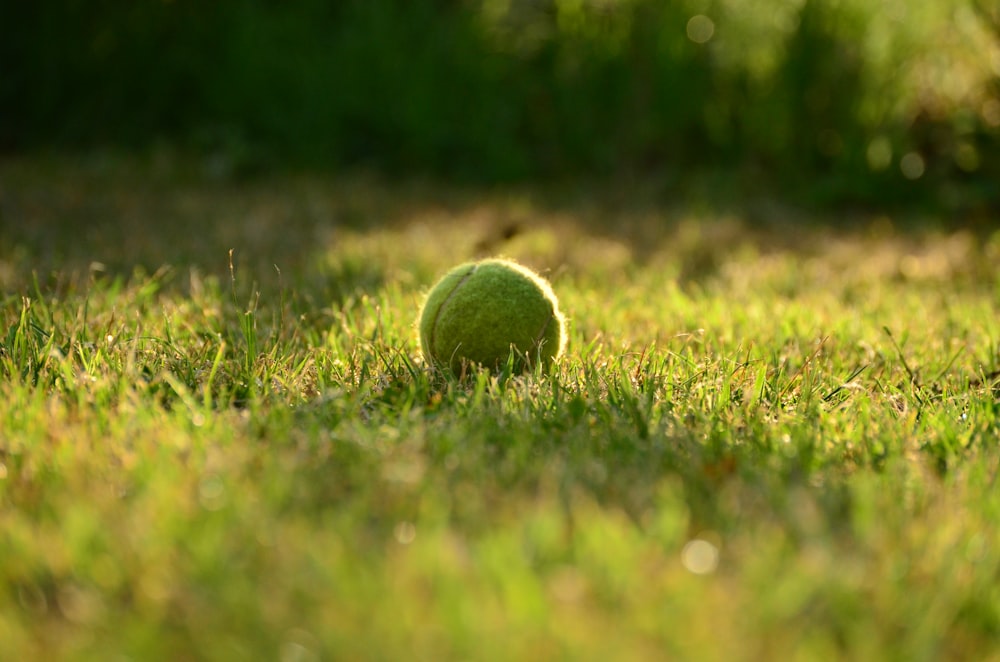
(912, 165)
(405, 533)
(700, 557)
(700, 28)
(299, 646)
(879, 153)
(212, 493)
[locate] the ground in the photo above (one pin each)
(773, 434)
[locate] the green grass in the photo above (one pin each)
(771, 438)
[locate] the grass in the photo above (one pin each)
(771, 438)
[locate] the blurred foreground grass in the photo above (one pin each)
(770, 439)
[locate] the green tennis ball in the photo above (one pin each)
(489, 313)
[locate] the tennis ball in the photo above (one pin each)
(488, 313)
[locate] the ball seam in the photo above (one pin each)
(437, 313)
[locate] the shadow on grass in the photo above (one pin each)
(66, 220)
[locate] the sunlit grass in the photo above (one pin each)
(768, 440)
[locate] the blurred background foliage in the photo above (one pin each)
(833, 101)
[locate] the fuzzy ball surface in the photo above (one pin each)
(489, 313)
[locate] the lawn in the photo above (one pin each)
(773, 435)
